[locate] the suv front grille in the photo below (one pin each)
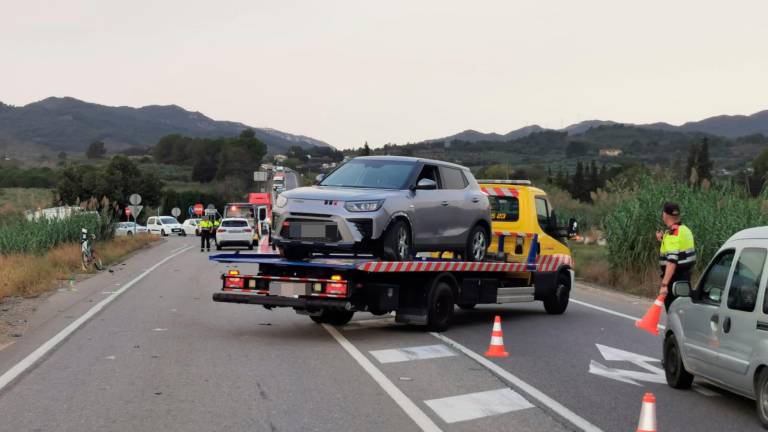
(364, 226)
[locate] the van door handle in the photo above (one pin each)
(444, 203)
(475, 200)
(727, 325)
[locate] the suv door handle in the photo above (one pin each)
(444, 203)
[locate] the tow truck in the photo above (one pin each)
(523, 266)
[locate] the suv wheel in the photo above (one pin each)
(477, 244)
(674, 369)
(396, 242)
(294, 253)
(557, 302)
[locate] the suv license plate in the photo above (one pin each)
(312, 231)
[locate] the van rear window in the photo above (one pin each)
(234, 223)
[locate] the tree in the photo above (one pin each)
(248, 133)
(366, 150)
(594, 178)
(578, 186)
(62, 156)
(704, 164)
(760, 173)
(691, 175)
(96, 150)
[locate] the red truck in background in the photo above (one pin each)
(262, 201)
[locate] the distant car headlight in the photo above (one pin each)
(363, 206)
(281, 201)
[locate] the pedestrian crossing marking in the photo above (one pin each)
(473, 406)
(414, 353)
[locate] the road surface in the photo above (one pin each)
(159, 355)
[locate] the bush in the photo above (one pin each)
(37, 237)
(713, 213)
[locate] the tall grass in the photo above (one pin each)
(36, 237)
(713, 213)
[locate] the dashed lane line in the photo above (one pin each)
(53, 342)
(534, 393)
(411, 409)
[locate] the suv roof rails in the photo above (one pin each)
(512, 182)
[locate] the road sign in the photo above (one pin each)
(653, 374)
(259, 176)
(191, 211)
(198, 209)
(175, 211)
(211, 207)
(134, 210)
(135, 199)
(128, 211)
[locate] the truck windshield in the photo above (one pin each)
(371, 173)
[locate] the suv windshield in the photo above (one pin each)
(371, 173)
(168, 220)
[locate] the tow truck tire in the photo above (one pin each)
(467, 306)
(674, 369)
(440, 307)
(761, 396)
(557, 302)
(477, 244)
(396, 243)
(333, 317)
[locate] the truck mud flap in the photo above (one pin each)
(545, 284)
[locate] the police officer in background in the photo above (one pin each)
(677, 254)
(206, 226)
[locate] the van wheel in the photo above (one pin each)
(396, 242)
(674, 369)
(477, 245)
(557, 302)
(761, 396)
(162, 233)
(440, 307)
(333, 317)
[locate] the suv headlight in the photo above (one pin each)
(281, 201)
(363, 206)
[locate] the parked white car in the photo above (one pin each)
(165, 225)
(234, 232)
(719, 330)
(190, 227)
(129, 228)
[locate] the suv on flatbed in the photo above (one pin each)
(387, 206)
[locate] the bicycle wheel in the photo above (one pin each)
(97, 262)
(86, 262)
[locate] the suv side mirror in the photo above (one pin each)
(319, 178)
(426, 184)
(681, 289)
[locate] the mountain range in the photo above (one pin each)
(68, 124)
(727, 126)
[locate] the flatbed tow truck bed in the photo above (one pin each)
(330, 289)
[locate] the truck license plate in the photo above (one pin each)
(287, 289)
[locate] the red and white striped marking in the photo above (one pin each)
(512, 234)
(503, 191)
(438, 266)
(296, 279)
(550, 263)
(245, 290)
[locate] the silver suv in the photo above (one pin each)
(388, 206)
(719, 330)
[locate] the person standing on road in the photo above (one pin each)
(677, 254)
(206, 226)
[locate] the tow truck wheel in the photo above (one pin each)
(440, 308)
(333, 317)
(557, 302)
(674, 369)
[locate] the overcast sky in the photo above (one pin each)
(394, 71)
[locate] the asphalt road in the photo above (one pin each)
(162, 356)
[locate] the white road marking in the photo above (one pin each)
(160, 329)
(51, 343)
(411, 409)
(609, 311)
(478, 405)
(530, 390)
(653, 374)
(396, 355)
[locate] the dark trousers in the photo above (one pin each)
(680, 275)
(205, 239)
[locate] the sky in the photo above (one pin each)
(394, 71)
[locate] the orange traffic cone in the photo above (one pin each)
(650, 321)
(647, 421)
(496, 348)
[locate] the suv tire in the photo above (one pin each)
(477, 244)
(674, 369)
(396, 242)
(557, 302)
(440, 307)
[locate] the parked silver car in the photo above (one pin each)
(719, 330)
(388, 206)
(129, 228)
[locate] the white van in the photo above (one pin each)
(165, 225)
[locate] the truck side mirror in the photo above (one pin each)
(573, 227)
(681, 289)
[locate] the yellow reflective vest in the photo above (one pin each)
(206, 225)
(677, 246)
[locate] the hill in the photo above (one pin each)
(68, 124)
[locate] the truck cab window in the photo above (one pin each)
(542, 213)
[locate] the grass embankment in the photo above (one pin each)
(592, 265)
(29, 275)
